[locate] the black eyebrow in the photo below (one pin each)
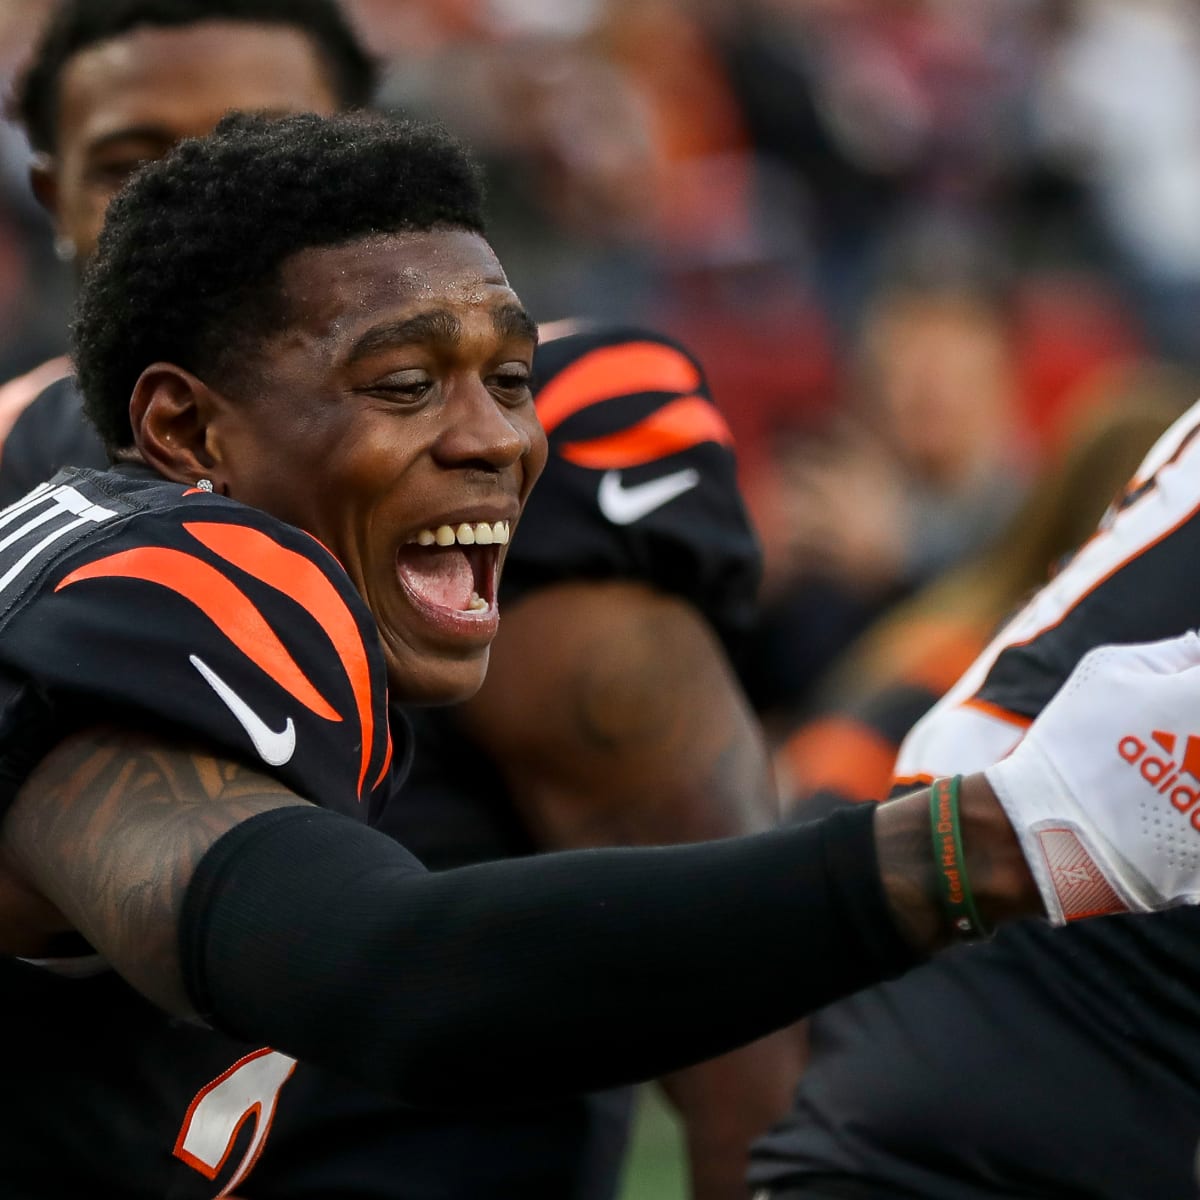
(161, 134)
(512, 320)
(134, 133)
(439, 325)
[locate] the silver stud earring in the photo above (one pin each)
(205, 485)
(64, 249)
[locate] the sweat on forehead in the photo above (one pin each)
(187, 268)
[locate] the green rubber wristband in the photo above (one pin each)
(950, 863)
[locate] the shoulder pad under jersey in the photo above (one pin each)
(641, 481)
(127, 598)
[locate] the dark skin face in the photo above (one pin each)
(396, 402)
(127, 101)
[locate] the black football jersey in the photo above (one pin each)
(641, 482)
(1044, 1063)
(124, 598)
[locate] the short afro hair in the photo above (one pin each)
(187, 270)
(79, 24)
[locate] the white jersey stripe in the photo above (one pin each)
(61, 501)
(30, 555)
(14, 510)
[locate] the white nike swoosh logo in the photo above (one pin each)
(624, 505)
(273, 748)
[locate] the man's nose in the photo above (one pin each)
(481, 431)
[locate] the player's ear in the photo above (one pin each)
(174, 417)
(43, 179)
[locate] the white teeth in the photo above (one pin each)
(466, 534)
(478, 603)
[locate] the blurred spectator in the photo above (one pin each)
(608, 158)
(1119, 105)
(1072, 328)
(880, 110)
(924, 466)
(569, 162)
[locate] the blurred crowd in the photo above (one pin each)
(910, 240)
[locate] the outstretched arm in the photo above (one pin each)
(293, 926)
(216, 893)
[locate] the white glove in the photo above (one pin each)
(1104, 789)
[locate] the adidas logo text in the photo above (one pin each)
(1163, 773)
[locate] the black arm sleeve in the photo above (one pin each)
(513, 979)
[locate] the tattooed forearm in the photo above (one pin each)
(109, 829)
(1000, 879)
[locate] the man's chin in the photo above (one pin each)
(429, 680)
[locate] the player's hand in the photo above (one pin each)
(1104, 792)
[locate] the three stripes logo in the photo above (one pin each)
(1171, 764)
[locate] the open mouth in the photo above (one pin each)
(450, 572)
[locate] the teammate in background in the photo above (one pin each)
(1091, 1055)
(565, 757)
(334, 359)
(112, 86)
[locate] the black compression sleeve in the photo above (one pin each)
(512, 979)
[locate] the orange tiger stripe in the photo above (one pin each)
(623, 370)
(225, 605)
(677, 426)
(300, 578)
